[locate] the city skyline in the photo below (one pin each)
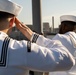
(49, 8)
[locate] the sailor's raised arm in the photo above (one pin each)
(32, 36)
(38, 58)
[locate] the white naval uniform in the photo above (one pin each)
(18, 57)
(69, 41)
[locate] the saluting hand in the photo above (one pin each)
(24, 29)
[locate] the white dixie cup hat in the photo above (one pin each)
(10, 7)
(68, 18)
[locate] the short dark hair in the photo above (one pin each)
(5, 15)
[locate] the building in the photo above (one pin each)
(46, 27)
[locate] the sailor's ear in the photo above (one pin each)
(11, 22)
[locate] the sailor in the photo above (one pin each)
(37, 54)
(67, 35)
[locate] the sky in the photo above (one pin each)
(49, 8)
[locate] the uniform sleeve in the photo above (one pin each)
(41, 40)
(37, 58)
